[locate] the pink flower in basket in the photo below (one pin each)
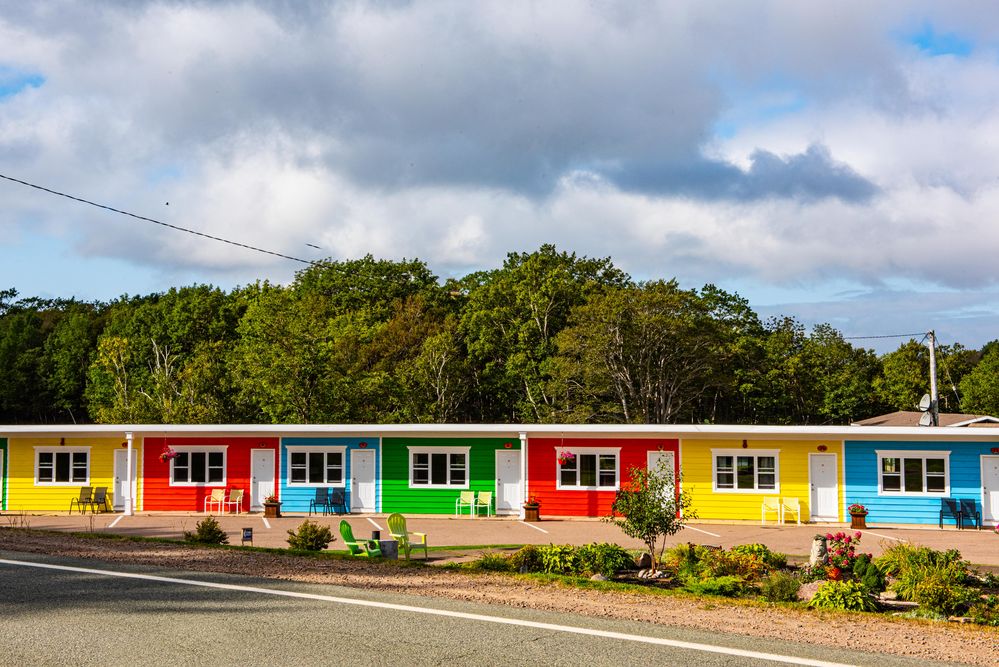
(168, 454)
(565, 456)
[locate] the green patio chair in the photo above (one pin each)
(358, 547)
(483, 499)
(464, 499)
(397, 529)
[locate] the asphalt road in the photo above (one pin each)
(67, 616)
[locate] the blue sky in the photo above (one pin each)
(833, 163)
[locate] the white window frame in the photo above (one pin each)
(413, 450)
(756, 454)
(207, 449)
(921, 454)
(65, 450)
(342, 451)
(597, 451)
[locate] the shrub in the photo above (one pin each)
(728, 563)
(869, 574)
(985, 611)
(842, 550)
(728, 586)
(494, 562)
(527, 559)
(310, 537)
(848, 595)
(207, 531)
(559, 559)
(781, 587)
(603, 558)
(937, 592)
(903, 555)
(772, 559)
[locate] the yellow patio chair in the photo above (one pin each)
(398, 531)
(217, 499)
(235, 500)
(790, 505)
(484, 499)
(771, 505)
(465, 499)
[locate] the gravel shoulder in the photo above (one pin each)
(926, 640)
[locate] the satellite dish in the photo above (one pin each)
(926, 419)
(924, 403)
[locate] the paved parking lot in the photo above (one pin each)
(981, 547)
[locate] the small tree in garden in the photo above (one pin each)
(650, 508)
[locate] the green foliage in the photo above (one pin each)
(911, 565)
(938, 591)
(207, 531)
(985, 611)
(980, 387)
(651, 507)
(727, 585)
(527, 559)
(603, 558)
(559, 559)
(494, 562)
(310, 537)
(846, 595)
(772, 559)
(780, 587)
(869, 574)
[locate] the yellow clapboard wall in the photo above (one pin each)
(745, 505)
(24, 494)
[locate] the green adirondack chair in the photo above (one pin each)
(358, 547)
(397, 529)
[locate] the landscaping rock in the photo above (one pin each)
(598, 577)
(643, 562)
(808, 591)
(820, 552)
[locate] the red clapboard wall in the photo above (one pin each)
(543, 470)
(159, 495)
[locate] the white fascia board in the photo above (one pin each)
(512, 431)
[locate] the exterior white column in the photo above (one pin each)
(129, 482)
(523, 475)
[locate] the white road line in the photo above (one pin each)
(372, 521)
(701, 531)
(531, 525)
(267, 524)
(115, 522)
(887, 537)
(692, 646)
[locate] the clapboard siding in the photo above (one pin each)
(543, 470)
(160, 495)
(3, 477)
(862, 479)
(397, 496)
(793, 480)
(296, 498)
(24, 494)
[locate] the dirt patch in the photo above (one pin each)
(866, 632)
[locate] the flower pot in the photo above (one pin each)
(532, 513)
(272, 510)
(858, 521)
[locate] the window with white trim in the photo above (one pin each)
(438, 467)
(593, 469)
(62, 466)
(741, 470)
(198, 467)
(913, 473)
(315, 466)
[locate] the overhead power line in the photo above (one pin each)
(908, 335)
(160, 222)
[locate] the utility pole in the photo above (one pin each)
(934, 408)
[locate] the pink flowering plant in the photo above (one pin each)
(565, 456)
(842, 550)
(168, 454)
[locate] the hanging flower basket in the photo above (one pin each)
(565, 457)
(168, 454)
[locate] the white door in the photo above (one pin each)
(362, 481)
(990, 489)
(261, 477)
(824, 500)
(508, 484)
(666, 458)
(120, 488)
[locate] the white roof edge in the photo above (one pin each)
(844, 432)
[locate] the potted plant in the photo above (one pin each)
(272, 507)
(532, 509)
(565, 456)
(168, 454)
(858, 516)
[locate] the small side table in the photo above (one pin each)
(390, 549)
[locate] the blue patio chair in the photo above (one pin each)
(322, 500)
(338, 501)
(949, 508)
(969, 510)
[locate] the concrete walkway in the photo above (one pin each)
(980, 547)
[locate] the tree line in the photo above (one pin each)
(548, 337)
